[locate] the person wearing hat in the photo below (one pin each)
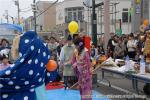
(65, 59)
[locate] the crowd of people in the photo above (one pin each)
(73, 56)
(74, 63)
(118, 47)
(131, 45)
(26, 58)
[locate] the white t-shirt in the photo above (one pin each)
(131, 45)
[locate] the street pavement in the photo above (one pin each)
(121, 88)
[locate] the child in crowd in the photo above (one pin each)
(5, 62)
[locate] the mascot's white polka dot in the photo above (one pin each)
(26, 82)
(10, 83)
(32, 48)
(12, 65)
(14, 77)
(42, 64)
(23, 79)
(36, 61)
(26, 98)
(22, 60)
(31, 72)
(37, 74)
(48, 56)
(30, 61)
(39, 51)
(40, 79)
(4, 96)
(8, 72)
(32, 86)
(1, 85)
(44, 54)
(26, 41)
(31, 90)
(17, 87)
(20, 54)
(45, 44)
(48, 74)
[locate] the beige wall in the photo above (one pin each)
(47, 19)
(60, 14)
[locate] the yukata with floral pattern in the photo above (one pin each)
(20, 80)
(81, 64)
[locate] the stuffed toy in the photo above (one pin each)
(147, 44)
(146, 51)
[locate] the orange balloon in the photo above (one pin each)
(51, 65)
(146, 22)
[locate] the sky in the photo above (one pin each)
(9, 5)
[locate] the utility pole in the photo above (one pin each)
(136, 16)
(18, 7)
(115, 4)
(145, 9)
(101, 19)
(94, 20)
(88, 24)
(12, 19)
(34, 13)
(112, 18)
(107, 22)
(94, 24)
(6, 16)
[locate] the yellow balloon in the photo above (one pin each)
(138, 1)
(73, 27)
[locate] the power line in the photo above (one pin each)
(26, 11)
(25, 8)
(35, 10)
(47, 8)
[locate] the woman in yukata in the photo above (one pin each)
(81, 64)
(25, 79)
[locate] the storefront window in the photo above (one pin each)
(74, 14)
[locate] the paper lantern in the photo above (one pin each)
(51, 65)
(73, 27)
(87, 42)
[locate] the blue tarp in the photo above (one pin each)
(12, 26)
(61, 94)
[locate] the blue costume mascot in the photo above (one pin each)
(23, 79)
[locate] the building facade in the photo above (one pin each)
(47, 20)
(75, 10)
(28, 24)
(122, 15)
(67, 11)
